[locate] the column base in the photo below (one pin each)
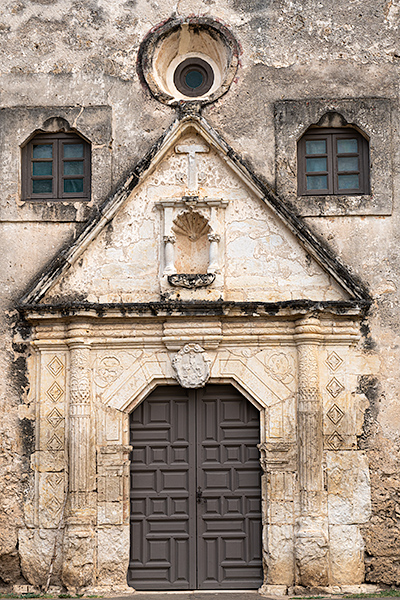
(311, 551)
(273, 590)
(364, 588)
(107, 590)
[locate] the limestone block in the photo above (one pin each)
(113, 555)
(311, 560)
(110, 485)
(110, 513)
(280, 555)
(44, 461)
(51, 498)
(365, 588)
(346, 554)
(338, 402)
(26, 589)
(349, 495)
(36, 549)
(78, 563)
(280, 505)
(280, 513)
(273, 590)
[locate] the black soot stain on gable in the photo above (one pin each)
(27, 436)
(371, 387)
(19, 376)
(368, 342)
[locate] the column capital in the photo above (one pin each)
(214, 237)
(77, 335)
(308, 330)
(169, 239)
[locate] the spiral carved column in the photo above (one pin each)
(79, 543)
(311, 528)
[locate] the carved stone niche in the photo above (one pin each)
(191, 230)
(191, 241)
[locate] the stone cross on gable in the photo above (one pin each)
(191, 150)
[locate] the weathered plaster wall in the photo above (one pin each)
(68, 53)
(260, 259)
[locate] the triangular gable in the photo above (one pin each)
(310, 244)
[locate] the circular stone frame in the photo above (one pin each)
(196, 42)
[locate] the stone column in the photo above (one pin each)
(213, 264)
(169, 254)
(79, 543)
(311, 544)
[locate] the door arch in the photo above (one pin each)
(195, 491)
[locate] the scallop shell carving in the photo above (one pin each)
(191, 224)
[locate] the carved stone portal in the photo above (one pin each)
(191, 366)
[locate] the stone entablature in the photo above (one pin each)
(299, 369)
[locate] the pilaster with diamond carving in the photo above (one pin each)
(49, 459)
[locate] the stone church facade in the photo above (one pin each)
(199, 249)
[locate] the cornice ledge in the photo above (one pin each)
(163, 309)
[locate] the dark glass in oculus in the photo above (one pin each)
(193, 77)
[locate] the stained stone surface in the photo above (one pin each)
(77, 60)
(260, 258)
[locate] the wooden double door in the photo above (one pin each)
(195, 491)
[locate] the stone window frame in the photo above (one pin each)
(372, 117)
(58, 141)
(19, 123)
(330, 136)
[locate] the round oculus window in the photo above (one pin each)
(193, 77)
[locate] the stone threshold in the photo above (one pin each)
(272, 591)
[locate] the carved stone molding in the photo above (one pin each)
(190, 280)
(191, 366)
(278, 456)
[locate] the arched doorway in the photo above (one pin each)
(195, 491)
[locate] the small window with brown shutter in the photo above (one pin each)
(56, 167)
(333, 161)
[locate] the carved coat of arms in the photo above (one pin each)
(191, 366)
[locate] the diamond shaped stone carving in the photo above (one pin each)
(54, 480)
(54, 443)
(55, 366)
(334, 387)
(54, 417)
(335, 441)
(335, 414)
(53, 505)
(55, 392)
(333, 361)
